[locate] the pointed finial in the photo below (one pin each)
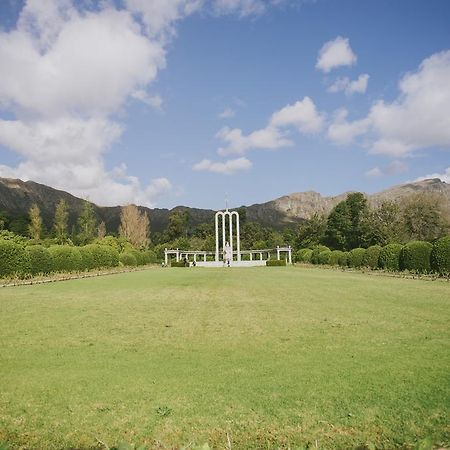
(226, 201)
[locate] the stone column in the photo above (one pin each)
(217, 236)
(230, 215)
(290, 255)
(177, 256)
(165, 257)
(278, 252)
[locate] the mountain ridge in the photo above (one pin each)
(17, 196)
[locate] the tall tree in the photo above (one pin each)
(135, 226)
(35, 227)
(345, 223)
(87, 223)
(101, 230)
(311, 232)
(61, 221)
(178, 225)
(425, 216)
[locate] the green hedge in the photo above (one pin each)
(128, 259)
(324, 257)
(390, 257)
(87, 258)
(440, 256)
(355, 257)
(335, 257)
(316, 251)
(13, 259)
(178, 264)
(150, 257)
(40, 259)
(304, 255)
(415, 256)
(371, 256)
(343, 259)
(275, 262)
(103, 255)
(66, 258)
(140, 257)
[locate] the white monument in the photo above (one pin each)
(228, 245)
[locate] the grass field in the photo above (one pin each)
(239, 358)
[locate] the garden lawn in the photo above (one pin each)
(255, 358)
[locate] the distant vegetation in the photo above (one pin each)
(411, 235)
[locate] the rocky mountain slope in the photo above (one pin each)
(16, 198)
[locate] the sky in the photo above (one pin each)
(191, 102)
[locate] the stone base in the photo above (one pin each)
(232, 263)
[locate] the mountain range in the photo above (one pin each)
(17, 197)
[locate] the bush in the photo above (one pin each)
(440, 256)
(13, 259)
(415, 256)
(355, 257)
(371, 257)
(276, 262)
(324, 257)
(304, 255)
(87, 258)
(390, 257)
(103, 256)
(140, 258)
(40, 259)
(343, 259)
(335, 257)
(178, 264)
(128, 259)
(150, 257)
(66, 258)
(316, 251)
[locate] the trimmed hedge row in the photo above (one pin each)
(416, 256)
(276, 263)
(18, 260)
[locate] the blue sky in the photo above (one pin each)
(186, 101)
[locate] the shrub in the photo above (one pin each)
(140, 258)
(316, 251)
(335, 257)
(324, 257)
(275, 262)
(150, 257)
(103, 256)
(178, 264)
(304, 255)
(440, 256)
(128, 259)
(371, 256)
(66, 258)
(355, 257)
(343, 259)
(40, 259)
(13, 259)
(415, 256)
(390, 257)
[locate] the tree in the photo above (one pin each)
(3, 220)
(135, 226)
(425, 216)
(87, 223)
(101, 230)
(383, 225)
(61, 221)
(311, 232)
(345, 223)
(35, 227)
(178, 225)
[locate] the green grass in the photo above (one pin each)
(256, 358)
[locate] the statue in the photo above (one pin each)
(227, 254)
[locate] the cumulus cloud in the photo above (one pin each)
(358, 86)
(394, 168)
(227, 168)
(302, 115)
(418, 119)
(65, 74)
(445, 176)
(334, 54)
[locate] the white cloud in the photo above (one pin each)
(343, 132)
(227, 113)
(240, 7)
(334, 54)
(227, 168)
(265, 138)
(350, 87)
(445, 176)
(418, 119)
(65, 73)
(394, 168)
(302, 115)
